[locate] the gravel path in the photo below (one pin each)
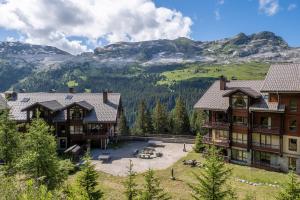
(118, 165)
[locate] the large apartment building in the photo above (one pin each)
(77, 118)
(256, 122)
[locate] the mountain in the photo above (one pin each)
(263, 47)
(150, 70)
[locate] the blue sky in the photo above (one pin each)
(237, 16)
(82, 25)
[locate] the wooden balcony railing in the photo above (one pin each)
(217, 125)
(240, 143)
(266, 147)
(217, 142)
(266, 129)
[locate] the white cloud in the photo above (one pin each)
(217, 14)
(269, 7)
(55, 22)
(292, 7)
(221, 2)
(10, 39)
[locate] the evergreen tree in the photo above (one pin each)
(87, 180)
(160, 119)
(123, 127)
(180, 118)
(211, 184)
(197, 121)
(152, 189)
(148, 123)
(9, 141)
(39, 159)
(131, 191)
(140, 123)
(290, 190)
(199, 146)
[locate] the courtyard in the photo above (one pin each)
(119, 159)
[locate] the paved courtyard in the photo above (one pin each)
(119, 161)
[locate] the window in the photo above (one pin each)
(265, 122)
(262, 157)
(76, 113)
(292, 163)
(95, 128)
(293, 105)
(265, 140)
(292, 144)
(221, 134)
(77, 129)
(240, 120)
(239, 155)
(239, 101)
(239, 138)
(293, 125)
(62, 143)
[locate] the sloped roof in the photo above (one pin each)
(52, 105)
(246, 90)
(282, 78)
(213, 98)
(102, 112)
(82, 104)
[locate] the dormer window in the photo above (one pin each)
(239, 101)
(76, 113)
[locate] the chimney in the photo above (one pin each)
(105, 96)
(223, 82)
(71, 90)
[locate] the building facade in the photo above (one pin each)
(256, 123)
(77, 118)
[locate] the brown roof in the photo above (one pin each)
(99, 111)
(246, 90)
(282, 78)
(213, 98)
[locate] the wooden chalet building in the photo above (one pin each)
(78, 118)
(256, 122)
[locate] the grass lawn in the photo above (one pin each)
(113, 187)
(246, 71)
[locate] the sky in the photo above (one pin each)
(81, 25)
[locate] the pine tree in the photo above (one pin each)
(9, 142)
(160, 119)
(290, 190)
(197, 121)
(148, 123)
(140, 123)
(152, 189)
(181, 118)
(211, 183)
(131, 191)
(87, 180)
(199, 146)
(39, 159)
(123, 127)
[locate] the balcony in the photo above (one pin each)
(240, 143)
(266, 129)
(266, 147)
(217, 125)
(217, 142)
(265, 165)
